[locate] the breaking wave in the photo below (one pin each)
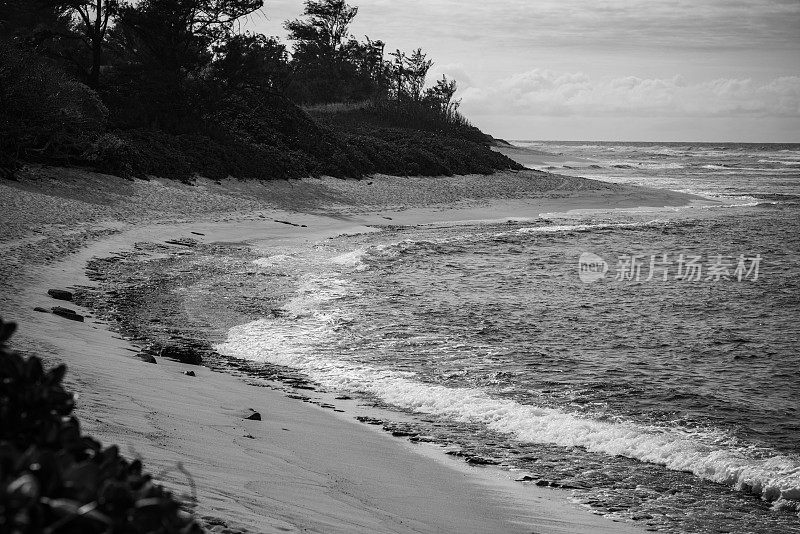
(711, 455)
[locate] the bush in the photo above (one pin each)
(53, 479)
(406, 114)
(114, 155)
(44, 114)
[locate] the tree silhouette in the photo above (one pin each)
(324, 30)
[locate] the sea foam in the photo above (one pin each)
(713, 456)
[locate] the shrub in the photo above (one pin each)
(114, 155)
(44, 114)
(53, 478)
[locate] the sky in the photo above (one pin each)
(613, 70)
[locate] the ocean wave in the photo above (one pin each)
(315, 290)
(586, 227)
(711, 455)
(793, 163)
(353, 259)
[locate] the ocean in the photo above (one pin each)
(646, 360)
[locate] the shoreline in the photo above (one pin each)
(360, 486)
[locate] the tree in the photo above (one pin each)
(94, 16)
(251, 61)
(441, 95)
(409, 74)
(177, 35)
(33, 22)
(416, 71)
(164, 54)
(324, 31)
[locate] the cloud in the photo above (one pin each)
(683, 24)
(548, 93)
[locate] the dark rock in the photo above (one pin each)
(66, 313)
(344, 397)
(198, 233)
(41, 310)
(189, 373)
(255, 416)
(369, 420)
(524, 478)
(181, 353)
(59, 294)
(249, 436)
(542, 483)
(479, 460)
(147, 357)
(570, 485)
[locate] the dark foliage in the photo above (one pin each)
(178, 93)
(44, 113)
(53, 478)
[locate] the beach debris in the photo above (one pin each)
(524, 478)
(184, 242)
(41, 310)
(198, 233)
(255, 416)
(60, 294)
(189, 373)
(286, 222)
(66, 313)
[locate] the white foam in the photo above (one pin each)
(585, 227)
(271, 261)
(314, 291)
(353, 259)
(709, 455)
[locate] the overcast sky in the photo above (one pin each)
(702, 70)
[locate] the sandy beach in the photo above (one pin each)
(304, 467)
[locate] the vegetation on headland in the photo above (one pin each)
(53, 478)
(172, 88)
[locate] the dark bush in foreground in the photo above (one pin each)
(53, 479)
